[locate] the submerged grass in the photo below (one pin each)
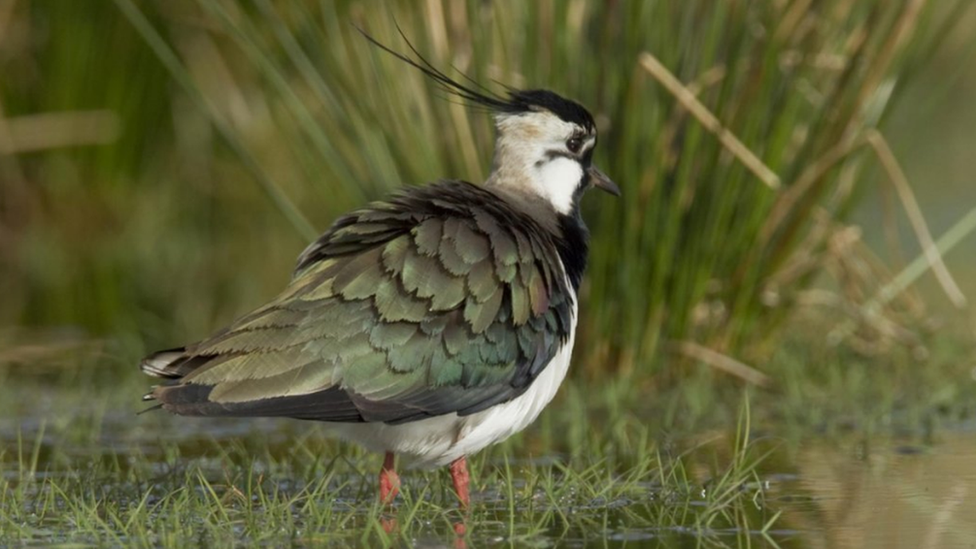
(609, 464)
(99, 476)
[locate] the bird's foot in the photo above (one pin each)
(389, 524)
(389, 480)
(460, 542)
(462, 482)
(389, 486)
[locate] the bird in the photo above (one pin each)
(430, 324)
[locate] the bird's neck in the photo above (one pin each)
(569, 234)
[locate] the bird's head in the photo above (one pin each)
(545, 141)
(545, 147)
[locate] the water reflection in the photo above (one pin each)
(852, 494)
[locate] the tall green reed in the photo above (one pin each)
(700, 249)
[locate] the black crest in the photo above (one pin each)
(566, 109)
(516, 101)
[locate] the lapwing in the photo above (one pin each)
(431, 324)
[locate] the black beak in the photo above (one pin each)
(601, 181)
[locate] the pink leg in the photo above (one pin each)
(389, 480)
(461, 478)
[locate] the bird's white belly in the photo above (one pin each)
(442, 439)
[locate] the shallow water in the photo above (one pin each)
(839, 492)
(851, 493)
(882, 494)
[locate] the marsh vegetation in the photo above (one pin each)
(750, 360)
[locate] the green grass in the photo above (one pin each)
(86, 470)
(78, 466)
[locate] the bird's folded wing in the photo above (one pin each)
(430, 304)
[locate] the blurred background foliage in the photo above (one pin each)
(162, 163)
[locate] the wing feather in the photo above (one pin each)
(446, 299)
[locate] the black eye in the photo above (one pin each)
(574, 144)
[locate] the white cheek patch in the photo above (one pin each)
(558, 180)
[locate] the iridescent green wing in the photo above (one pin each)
(444, 300)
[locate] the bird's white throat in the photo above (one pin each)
(557, 181)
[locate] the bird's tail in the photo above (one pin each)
(166, 364)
